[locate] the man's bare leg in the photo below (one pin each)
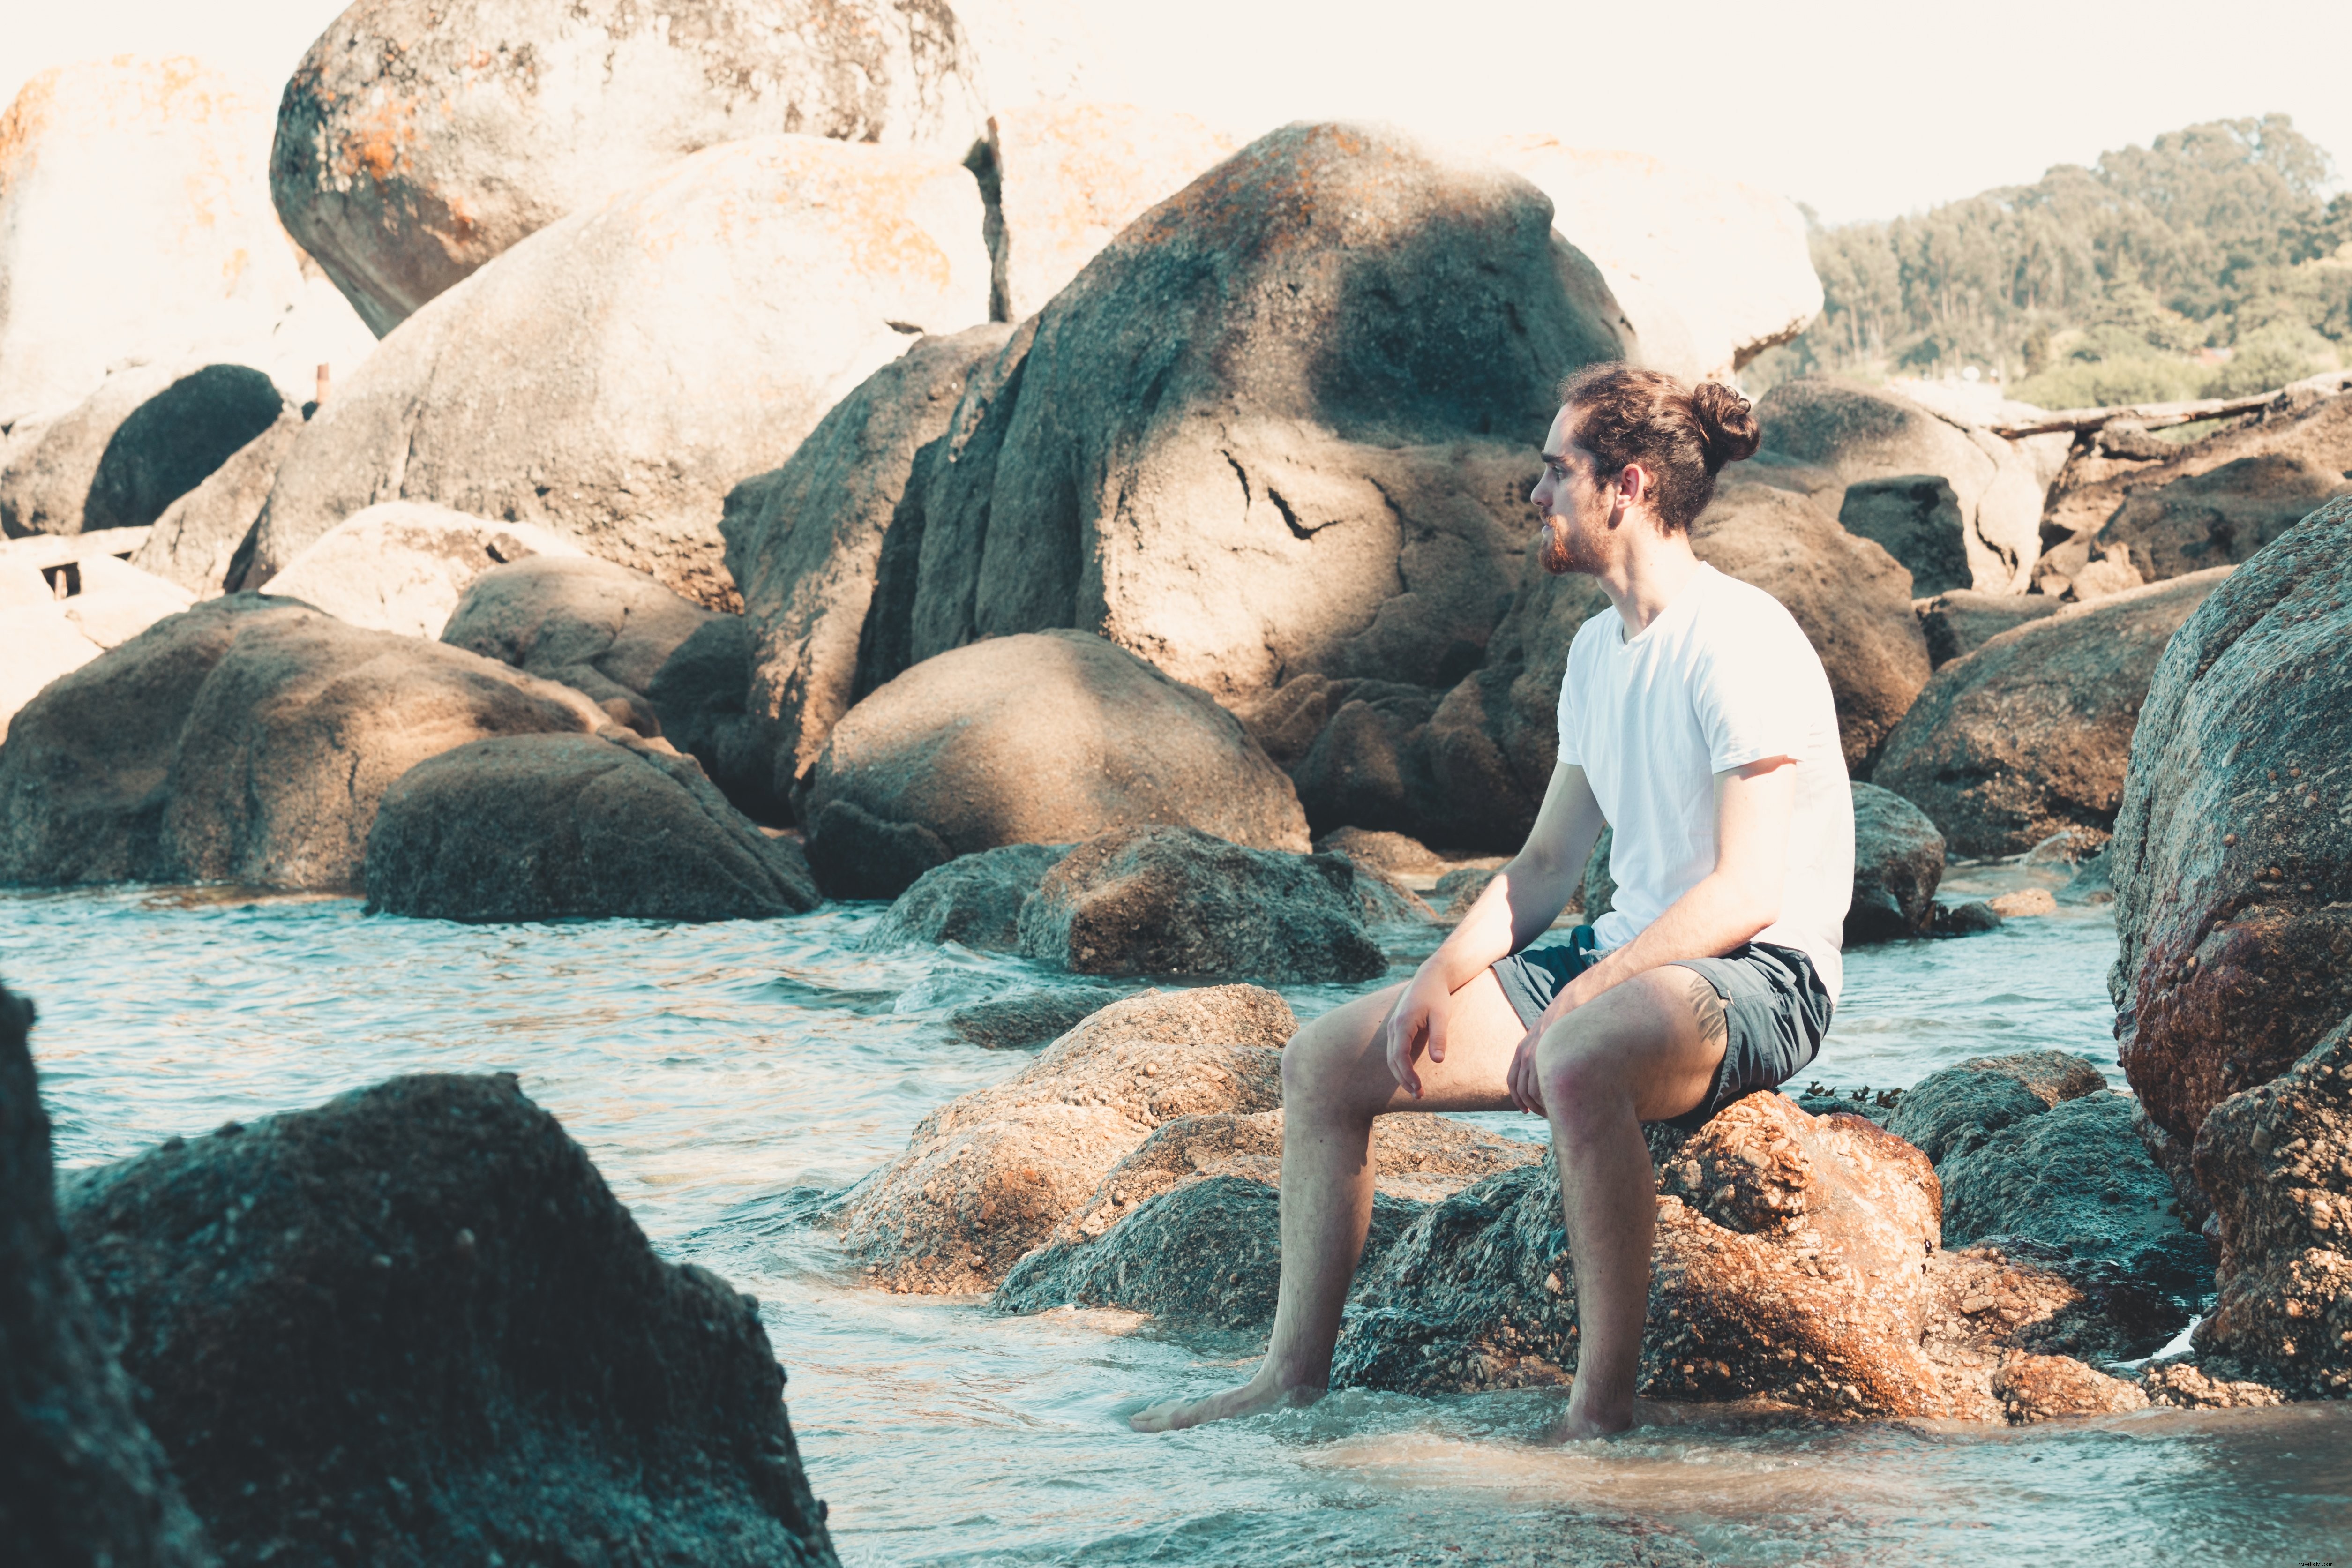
(1335, 1080)
(1641, 1051)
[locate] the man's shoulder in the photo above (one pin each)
(1737, 615)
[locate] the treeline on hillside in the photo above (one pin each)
(2207, 265)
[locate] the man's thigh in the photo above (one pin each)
(1342, 1057)
(1658, 1037)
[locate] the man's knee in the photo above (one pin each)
(1578, 1069)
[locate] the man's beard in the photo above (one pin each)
(1560, 555)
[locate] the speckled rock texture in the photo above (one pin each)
(1029, 1018)
(536, 828)
(1954, 1110)
(247, 740)
(416, 141)
(1281, 424)
(145, 438)
(2031, 734)
(714, 311)
(1177, 901)
(1861, 433)
(195, 541)
(974, 899)
(83, 1482)
(531, 1381)
(991, 1174)
(1046, 738)
(2034, 1388)
(1898, 861)
(405, 565)
(804, 541)
(603, 630)
(2232, 858)
(1962, 621)
(1989, 1304)
(2277, 1161)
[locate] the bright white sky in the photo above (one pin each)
(1861, 107)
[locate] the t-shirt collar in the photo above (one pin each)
(1683, 604)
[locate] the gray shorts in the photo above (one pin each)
(1775, 1009)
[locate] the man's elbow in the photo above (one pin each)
(1759, 909)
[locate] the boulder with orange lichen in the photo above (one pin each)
(419, 138)
(992, 1173)
(713, 313)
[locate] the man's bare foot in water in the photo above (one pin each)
(1175, 1414)
(1577, 1426)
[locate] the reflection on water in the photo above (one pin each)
(710, 1070)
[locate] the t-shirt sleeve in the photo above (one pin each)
(1752, 682)
(1570, 753)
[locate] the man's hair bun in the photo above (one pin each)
(1727, 424)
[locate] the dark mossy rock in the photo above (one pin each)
(414, 1326)
(1035, 1017)
(1953, 1109)
(974, 899)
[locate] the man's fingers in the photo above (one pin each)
(1436, 1025)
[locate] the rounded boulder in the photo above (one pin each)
(599, 628)
(1047, 738)
(403, 565)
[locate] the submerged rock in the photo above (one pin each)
(435, 1253)
(535, 827)
(1035, 1016)
(1047, 738)
(1898, 859)
(1174, 901)
(974, 899)
(601, 629)
(991, 1174)
(2232, 858)
(2030, 734)
(84, 1481)
(247, 740)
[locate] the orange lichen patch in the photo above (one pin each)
(123, 93)
(376, 144)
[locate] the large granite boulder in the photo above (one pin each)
(149, 435)
(992, 1173)
(1281, 424)
(599, 628)
(1068, 177)
(534, 827)
(713, 313)
(247, 740)
(1175, 901)
(135, 225)
(84, 1481)
(2277, 1161)
(402, 565)
(973, 900)
(416, 141)
(535, 1383)
(700, 696)
(1864, 433)
(2232, 858)
(1898, 859)
(1708, 273)
(805, 543)
(2029, 735)
(196, 540)
(2178, 509)
(1048, 738)
(1954, 1110)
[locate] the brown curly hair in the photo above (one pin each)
(1682, 436)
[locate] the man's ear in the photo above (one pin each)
(1633, 483)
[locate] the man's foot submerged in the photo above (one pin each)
(1175, 1414)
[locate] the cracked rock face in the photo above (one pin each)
(418, 139)
(2232, 859)
(1281, 424)
(715, 309)
(435, 1253)
(533, 827)
(990, 1174)
(247, 740)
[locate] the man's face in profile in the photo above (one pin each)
(1574, 507)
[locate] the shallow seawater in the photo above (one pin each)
(712, 1070)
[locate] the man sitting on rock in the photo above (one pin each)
(1698, 719)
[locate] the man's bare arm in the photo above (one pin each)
(1525, 896)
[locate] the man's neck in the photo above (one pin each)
(1647, 576)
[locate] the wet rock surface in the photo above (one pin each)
(804, 541)
(246, 740)
(2232, 859)
(436, 1253)
(679, 368)
(1047, 738)
(1175, 901)
(990, 1174)
(603, 630)
(1898, 860)
(1036, 1016)
(974, 899)
(2031, 734)
(417, 142)
(535, 827)
(84, 1482)
(2277, 1161)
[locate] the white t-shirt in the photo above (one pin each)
(1722, 678)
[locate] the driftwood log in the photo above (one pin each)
(2157, 416)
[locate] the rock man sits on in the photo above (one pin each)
(1698, 719)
